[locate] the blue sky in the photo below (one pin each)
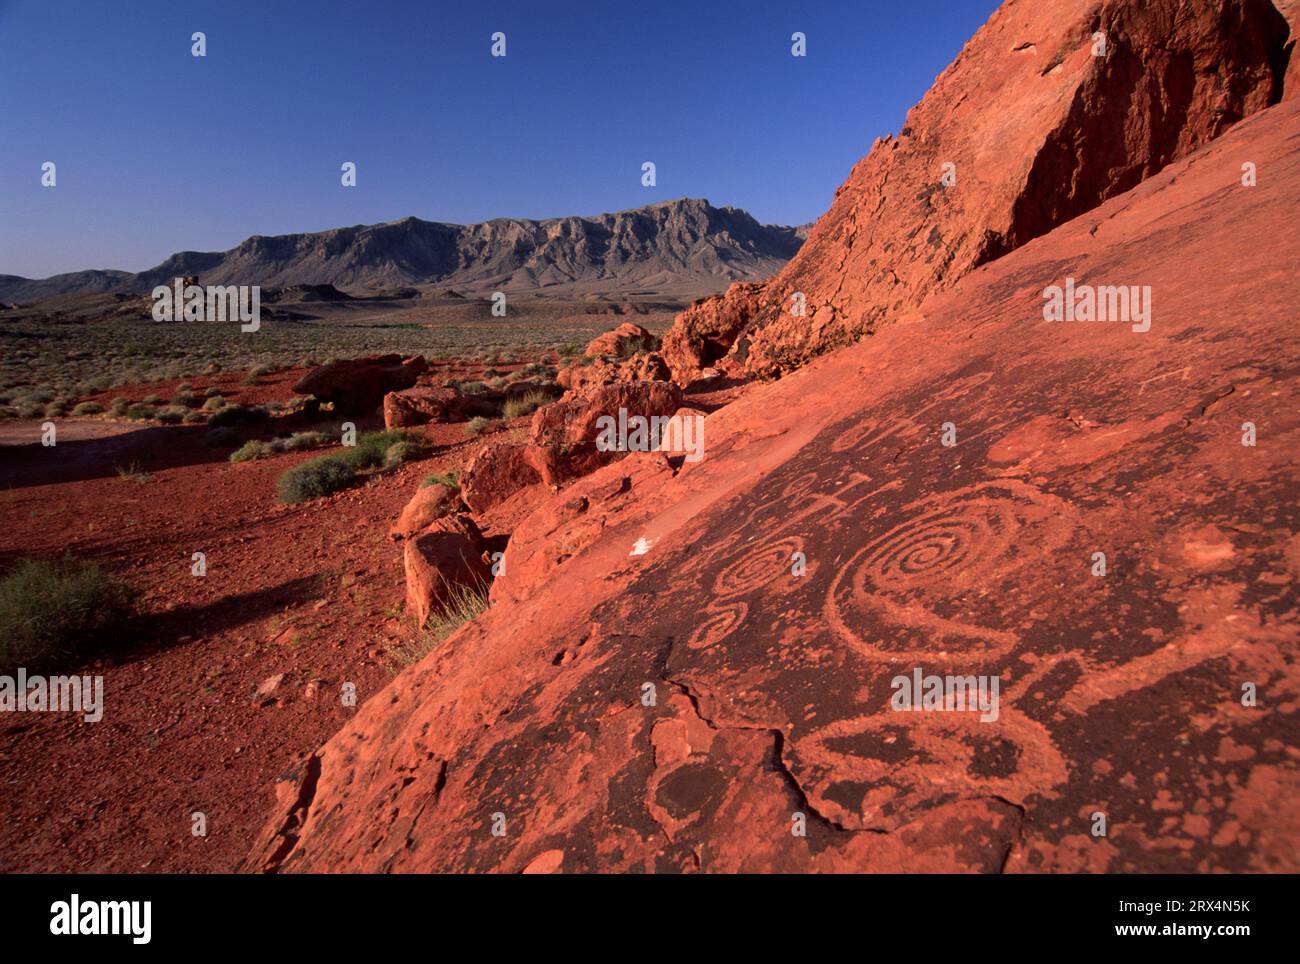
(159, 151)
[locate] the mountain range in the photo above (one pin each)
(681, 244)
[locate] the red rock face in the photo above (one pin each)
(494, 475)
(357, 387)
(421, 405)
(430, 502)
(1037, 130)
(623, 340)
(696, 669)
(564, 434)
(446, 554)
(582, 378)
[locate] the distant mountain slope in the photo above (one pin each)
(14, 288)
(665, 245)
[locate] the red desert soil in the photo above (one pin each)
(311, 591)
(1121, 695)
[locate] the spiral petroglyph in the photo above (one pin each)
(755, 566)
(932, 585)
(718, 624)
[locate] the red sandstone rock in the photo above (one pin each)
(624, 340)
(563, 434)
(357, 387)
(496, 473)
(583, 377)
(430, 502)
(423, 404)
(1038, 131)
(448, 553)
(772, 691)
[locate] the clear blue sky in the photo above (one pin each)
(158, 151)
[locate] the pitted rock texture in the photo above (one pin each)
(670, 696)
(1036, 130)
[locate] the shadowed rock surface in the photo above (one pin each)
(1036, 130)
(1120, 694)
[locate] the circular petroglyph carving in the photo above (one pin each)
(935, 585)
(718, 624)
(756, 565)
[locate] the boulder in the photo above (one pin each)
(622, 341)
(425, 403)
(358, 386)
(1034, 123)
(581, 377)
(429, 503)
(446, 554)
(563, 434)
(494, 474)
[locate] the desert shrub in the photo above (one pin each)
(236, 415)
(261, 370)
(140, 412)
(118, 407)
(214, 403)
(88, 408)
(473, 388)
(188, 399)
(527, 403)
(172, 415)
(31, 410)
(212, 392)
(463, 603)
(569, 348)
(306, 440)
(371, 448)
(447, 479)
(50, 611)
(408, 450)
(55, 410)
(315, 478)
(251, 451)
(477, 425)
(192, 418)
(497, 383)
(152, 400)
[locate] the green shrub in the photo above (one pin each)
(315, 478)
(449, 480)
(55, 610)
(477, 426)
(88, 408)
(237, 415)
(172, 415)
(399, 453)
(139, 412)
(31, 410)
(251, 451)
(371, 448)
(118, 407)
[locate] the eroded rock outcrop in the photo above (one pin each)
(358, 386)
(446, 554)
(702, 665)
(1052, 107)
